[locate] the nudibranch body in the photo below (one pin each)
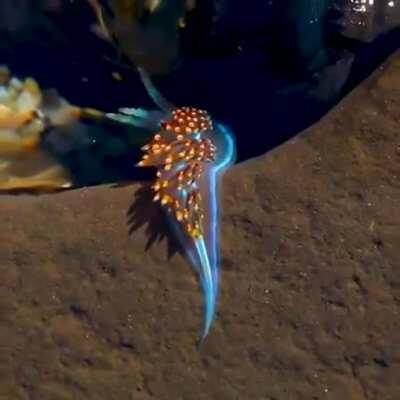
(190, 152)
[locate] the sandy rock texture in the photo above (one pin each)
(95, 304)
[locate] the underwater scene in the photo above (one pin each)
(199, 199)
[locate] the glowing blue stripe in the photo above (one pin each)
(207, 282)
(209, 261)
(227, 160)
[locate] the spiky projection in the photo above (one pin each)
(180, 153)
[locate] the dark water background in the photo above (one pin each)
(267, 69)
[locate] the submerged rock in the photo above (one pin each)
(310, 278)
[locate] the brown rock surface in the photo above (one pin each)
(310, 290)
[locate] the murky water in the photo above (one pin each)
(268, 71)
